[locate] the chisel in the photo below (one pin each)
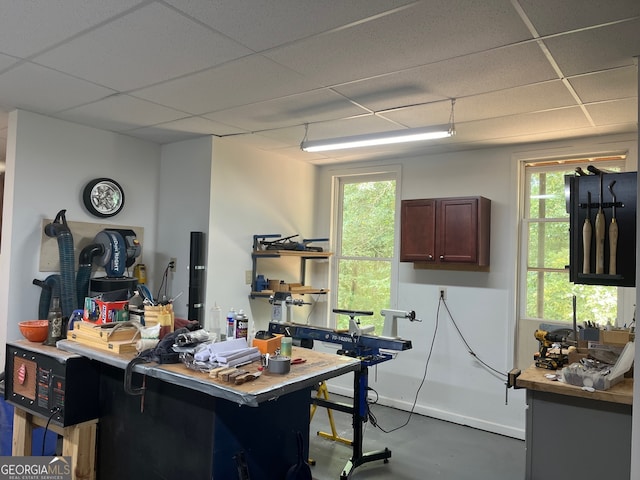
(600, 226)
(613, 233)
(586, 238)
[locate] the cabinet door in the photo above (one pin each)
(457, 227)
(417, 231)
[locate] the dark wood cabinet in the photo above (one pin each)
(446, 233)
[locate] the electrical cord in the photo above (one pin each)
(164, 282)
(46, 428)
(469, 349)
(372, 417)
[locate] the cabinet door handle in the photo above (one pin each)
(441, 257)
(430, 257)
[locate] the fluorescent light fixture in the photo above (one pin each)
(374, 139)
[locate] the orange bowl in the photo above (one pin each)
(34, 330)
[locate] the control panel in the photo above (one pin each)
(64, 389)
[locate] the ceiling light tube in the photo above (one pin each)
(374, 139)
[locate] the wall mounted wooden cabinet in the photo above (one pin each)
(446, 233)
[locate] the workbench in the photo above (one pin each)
(187, 425)
(573, 433)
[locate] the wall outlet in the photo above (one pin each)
(173, 261)
(442, 293)
(248, 277)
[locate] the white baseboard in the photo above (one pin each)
(439, 414)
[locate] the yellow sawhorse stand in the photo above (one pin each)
(323, 392)
(78, 442)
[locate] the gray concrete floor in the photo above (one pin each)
(424, 449)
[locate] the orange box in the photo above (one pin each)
(112, 311)
(269, 345)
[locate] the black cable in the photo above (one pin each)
(370, 414)
(164, 282)
(469, 349)
(46, 428)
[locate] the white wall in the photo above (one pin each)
(252, 192)
(183, 207)
(483, 304)
(48, 163)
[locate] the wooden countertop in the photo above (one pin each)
(319, 366)
(533, 378)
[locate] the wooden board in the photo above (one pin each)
(83, 234)
(80, 336)
(534, 378)
(107, 334)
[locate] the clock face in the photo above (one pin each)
(103, 197)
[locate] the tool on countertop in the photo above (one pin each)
(544, 358)
(600, 227)
(586, 238)
(613, 233)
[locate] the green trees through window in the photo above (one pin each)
(365, 250)
(549, 293)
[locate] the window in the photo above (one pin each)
(546, 292)
(365, 246)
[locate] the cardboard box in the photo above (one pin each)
(270, 345)
(616, 337)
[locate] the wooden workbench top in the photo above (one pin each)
(318, 367)
(533, 378)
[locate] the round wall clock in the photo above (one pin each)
(103, 197)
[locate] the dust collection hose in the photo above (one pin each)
(85, 262)
(60, 230)
(50, 288)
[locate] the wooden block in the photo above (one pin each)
(229, 377)
(247, 377)
(213, 373)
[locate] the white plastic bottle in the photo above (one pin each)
(213, 326)
(231, 323)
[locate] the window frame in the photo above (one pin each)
(524, 223)
(339, 180)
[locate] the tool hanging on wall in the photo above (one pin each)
(613, 233)
(586, 238)
(600, 227)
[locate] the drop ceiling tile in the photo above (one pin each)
(147, 46)
(182, 129)
(120, 113)
(426, 33)
(49, 23)
(614, 112)
(513, 101)
(264, 24)
(597, 49)
(428, 115)
(299, 109)
(339, 128)
(6, 61)
(469, 75)
(247, 80)
(42, 90)
(524, 124)
(607, 85)
(552, 16)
